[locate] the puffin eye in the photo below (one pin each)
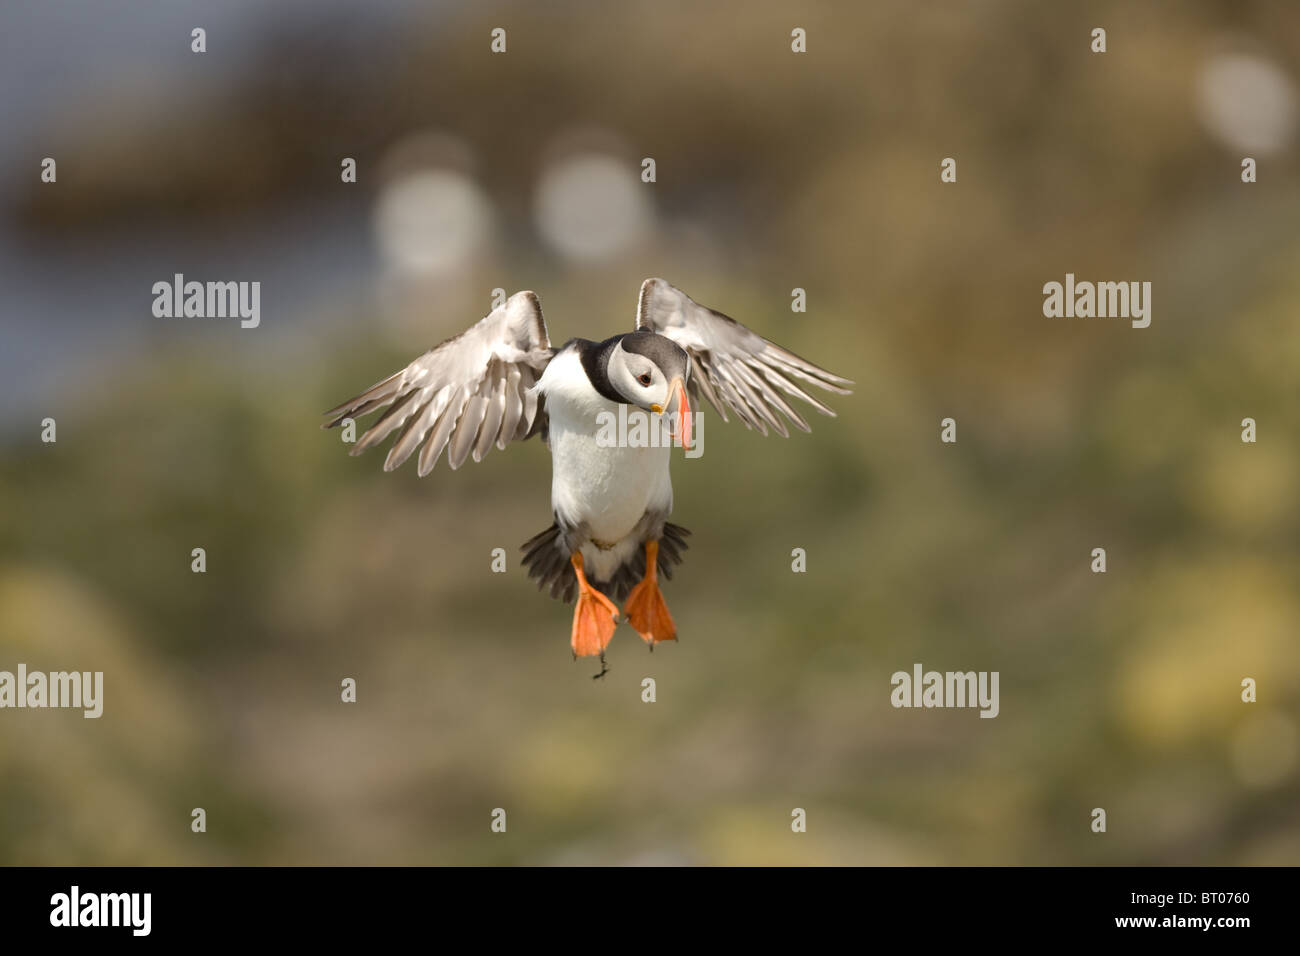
(644, 378)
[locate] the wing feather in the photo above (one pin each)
(462, 442)
(703, 385)
(409, 438)
(392, 419)
(441, 432)
(733, 367)
(530, 407)
(514, 407)
(491, 424)
(780, 381)
(463, 395)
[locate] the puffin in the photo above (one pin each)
(501, 381)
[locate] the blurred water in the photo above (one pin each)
(71, 307)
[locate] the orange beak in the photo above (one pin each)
(678, 387)
(683, 412)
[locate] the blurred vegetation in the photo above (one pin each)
(1118, 690)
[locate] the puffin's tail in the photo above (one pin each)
(548, 562)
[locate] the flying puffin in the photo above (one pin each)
(501, 381)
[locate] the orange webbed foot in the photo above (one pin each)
(594, 619)
(646, 610)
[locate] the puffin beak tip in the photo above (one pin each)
(683, 413)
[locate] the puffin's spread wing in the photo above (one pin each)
(732, 366)
(465, 394)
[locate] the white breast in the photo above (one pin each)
(608, 488)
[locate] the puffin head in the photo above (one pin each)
(650, 371)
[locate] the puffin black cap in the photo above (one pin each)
(670, 358)
(663, 351)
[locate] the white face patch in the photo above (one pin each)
(636, 378)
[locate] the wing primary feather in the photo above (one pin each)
(514, 407)
(410, 436)
(778, 362)
(358, 412)
(379, 393)
(530, 410)
(753, 394)
(462, 442)
(704, 386)
(487, 431)
(735, 400)
(800, 393)
(781, 382)
(393, 418)
(772, 396)
(789, 358)
(441, 432)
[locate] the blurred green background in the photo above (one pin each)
(774, 171)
